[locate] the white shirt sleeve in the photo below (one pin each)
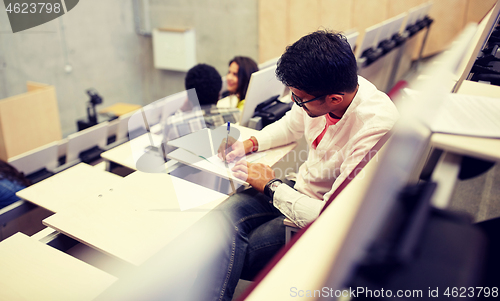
(296, 206)
(286, 130)
(302, 209)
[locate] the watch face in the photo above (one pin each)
(274, 185)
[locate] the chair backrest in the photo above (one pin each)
(397, 23)
(85, 140)
(170, 104)
(113, 127)
(36, 159)
(152, 112)
(370, 38)
(351, 39)
(62, 147)
(424, 10)
(122, 131)
(388, 27)
(485, 29)
(413, 15)
(263, 85)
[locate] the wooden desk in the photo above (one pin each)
(136, 218)
(129, 152)
(479, 89)
(120, 108)
(31, 270)
(456, 146)
(483, 148)
(68, 187)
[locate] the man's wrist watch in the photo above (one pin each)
(271, 187)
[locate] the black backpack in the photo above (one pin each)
(272, 110)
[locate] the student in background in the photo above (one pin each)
(238, 77)
(206, 82)
(11, 181)
(198, 111)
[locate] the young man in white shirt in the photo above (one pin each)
(342, 116)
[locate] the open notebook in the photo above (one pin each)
(463, 114)
(469, 115)
(199, 149)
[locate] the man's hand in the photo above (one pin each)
(256, 174)
(235, 149)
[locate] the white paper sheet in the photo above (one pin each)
(462, 114)
(469, 115)
(212, 164)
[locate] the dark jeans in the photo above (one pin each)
(8, 191)
(257, 235)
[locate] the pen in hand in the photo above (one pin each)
(225, 159)
(227, 139)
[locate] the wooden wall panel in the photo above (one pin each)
(304, 18)
(273, 28)
(396, 7)
(335, 14)
(476, 10)
(449, 20)
(282, 22)
(301, 17)
(28, 120)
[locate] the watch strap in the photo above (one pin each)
(267, 188)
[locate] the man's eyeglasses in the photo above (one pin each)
(301, 103)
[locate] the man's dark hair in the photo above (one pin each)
(206, 81)
(320, 63)
(246, 66)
